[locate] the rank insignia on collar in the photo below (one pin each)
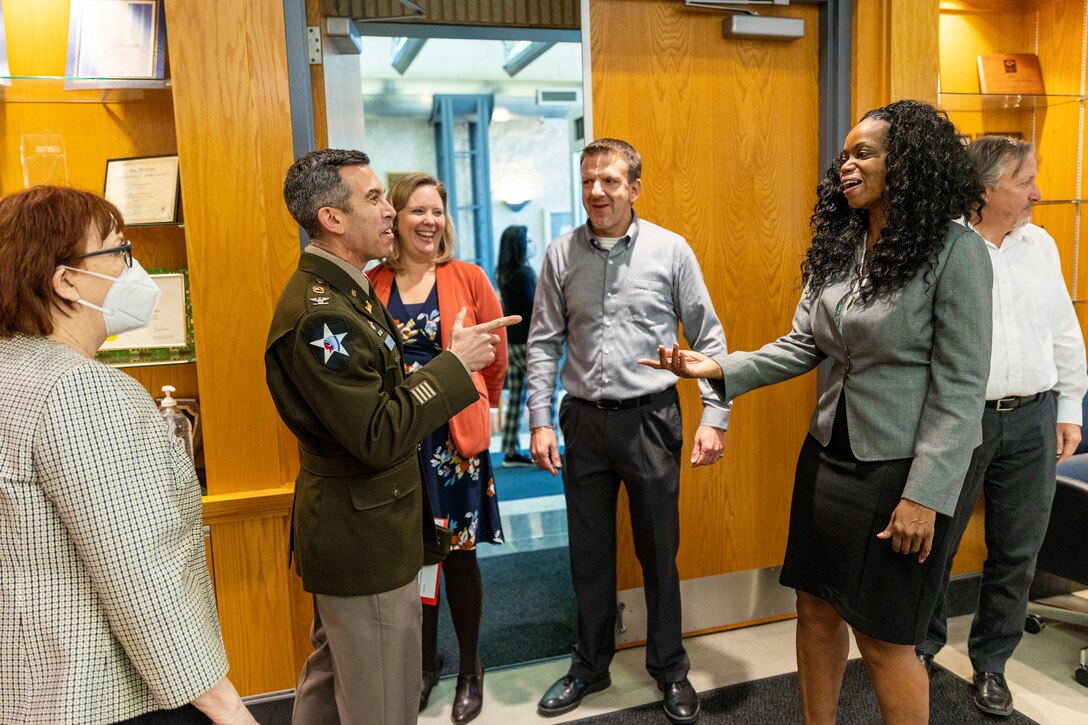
(328, 342)
(318, 289)
(320, 300)
(369, 307)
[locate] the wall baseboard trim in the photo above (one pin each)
(712, 602)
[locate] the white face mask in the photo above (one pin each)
(130, 302)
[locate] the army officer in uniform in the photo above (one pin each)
(333, 362)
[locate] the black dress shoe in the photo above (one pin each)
(430, 679)
(992, 695)
(681, 703)
(468, 699)
(926, 659)
(567, 693)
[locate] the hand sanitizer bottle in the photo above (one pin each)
(176, 421)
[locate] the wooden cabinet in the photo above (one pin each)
(1054, 31)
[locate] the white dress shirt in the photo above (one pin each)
(1037, 343)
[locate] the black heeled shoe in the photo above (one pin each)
(430, 679)
(468, 700)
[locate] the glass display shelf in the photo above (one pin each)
(983, 102)
(51, 89)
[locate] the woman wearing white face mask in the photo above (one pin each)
(106, 607)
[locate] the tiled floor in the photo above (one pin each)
(530, 524)
(1040, 675)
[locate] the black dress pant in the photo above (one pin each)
(1014, 467)
(639, 446)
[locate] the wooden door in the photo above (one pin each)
(728, 132)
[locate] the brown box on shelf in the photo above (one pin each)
(1017, 73)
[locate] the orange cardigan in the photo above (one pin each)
(461, 284)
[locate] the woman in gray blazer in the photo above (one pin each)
(106, 607)
(897, 298)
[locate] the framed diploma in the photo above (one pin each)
(5, 70)
(146, 189)
(116, 44)
(168, 338)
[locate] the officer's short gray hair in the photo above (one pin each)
(314, 182)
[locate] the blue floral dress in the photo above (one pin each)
(461, 489)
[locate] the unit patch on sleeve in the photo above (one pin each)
(423, 391)
(329, 343)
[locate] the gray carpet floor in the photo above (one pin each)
(528, 610)
(777, 701)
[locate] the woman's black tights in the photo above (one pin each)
(465, 594)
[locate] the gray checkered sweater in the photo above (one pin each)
(106, 607)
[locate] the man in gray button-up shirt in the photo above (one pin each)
(610, 291)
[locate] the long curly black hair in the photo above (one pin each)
(929, 183)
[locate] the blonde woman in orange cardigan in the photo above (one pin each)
(424, 287)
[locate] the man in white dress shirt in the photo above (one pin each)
(1032, 418)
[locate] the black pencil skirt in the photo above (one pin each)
(839, 506)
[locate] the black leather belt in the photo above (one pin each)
(605, 404)
(1004, 405)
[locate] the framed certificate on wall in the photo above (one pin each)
(116, 44)
(168, 338)
(146, 189)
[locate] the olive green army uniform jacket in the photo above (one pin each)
(333, 365)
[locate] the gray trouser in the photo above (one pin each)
(1014, 467)
(367, 664)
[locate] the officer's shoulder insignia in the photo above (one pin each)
(422, 390)
(317, 289)
(318, 301)
(328, 343)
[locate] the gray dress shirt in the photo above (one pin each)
(611, 308)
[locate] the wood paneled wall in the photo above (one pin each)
(894, 53)
(233, 122)
(728, 135)
(555, 14)
(234, 138)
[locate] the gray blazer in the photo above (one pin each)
(914, 367)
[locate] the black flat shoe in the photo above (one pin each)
(681, 703)
(430, 679)
(992, 695)
(468, 699)
(567, 693)
(926, 659)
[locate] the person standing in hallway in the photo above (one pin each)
(897, 296)
(610, 290)
(1032, 419)
(423, 286)
(334, 367)
(517, 288)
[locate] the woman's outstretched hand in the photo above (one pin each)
(684, 363)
